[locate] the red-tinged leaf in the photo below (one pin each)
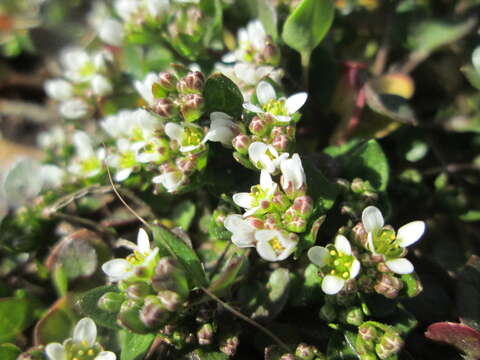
(464, 338)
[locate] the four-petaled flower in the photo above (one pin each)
(280, 109)
(83, 343)
(275, 245)
(337, 262)
(258, 201)
(265, 157)
(143, 255)
(384, 241)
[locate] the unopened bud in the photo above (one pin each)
(241, 143)
(129, 316)
(192, 107)
(280, 201)
(258, 126)
(271, 54)
(255, 222)
(187, 164)
(167, 81)
(305, 352)
(138, 290)
(205, 334)
(327, 313)
(368, 332)
(170, 299)
(353, 316)
(281, 143)
(165, 108)
(111, 302)
(272, 221)
(303, 205)
(192, 83)
(168, 276)
(389, 286)
(153, 313)
(390, 344)
(229, 344)
(359, 235)
(297, 225)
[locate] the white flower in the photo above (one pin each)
(127, 9)
(222, 129)
(265, 157)
(101, 86)
(111, 32)
(251, 40)
(258, 201)
(118, 125)
(156, 7)
(55, 136)
(52, 176)
(191, 132)
(407, 235)
(124, 160)
(280, 109)
(121, 269)
(171, 180)
(243, 234)
(84, 336)
(293, 175)
(274, 245)
(144, 88)
(59, 89)
(74, 109)
(337, 261)
(87, 163)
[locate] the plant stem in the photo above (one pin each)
(305, 57)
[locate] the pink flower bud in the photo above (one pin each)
(167, 81)
(258, 126)
(165, 108)
(303, 205)
(281, 143)
(241, 143)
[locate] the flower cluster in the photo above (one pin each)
(151, 288)
(377, 257)
(274, 215)
(271, 130)
(256, 57)
(82, 345)
(87, 77)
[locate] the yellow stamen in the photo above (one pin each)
(90, 352)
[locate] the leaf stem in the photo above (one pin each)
(305, 58)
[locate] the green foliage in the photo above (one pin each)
(89, 306)
(135, 346)
(16, 314)
(221, 94)
(9, 351)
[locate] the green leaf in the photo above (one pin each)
(320, 189)
(60, 280)
(368, 162)
(341, 347)
(214, 10)
(9, 352)
(135, 346)
(432, 34)
(464, 338)
(221, 94)
(89, 306)
(468, 293)
(16, 314)
(57, 323)
(176, 247)
(308, 24)
(183, 214)
(21, 182)
(229, 274)
(268, 16)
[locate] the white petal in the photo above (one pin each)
(111, 32)
(266, 181)
(117, 269)
(221, 117)
(244, 200)
(332, 284)
(295, 102)
(355, 269)
(282, 118)
(370, 244)
(343, 245)
(85, 330)
(189, 148)
(265, 235)
(55, 351)
(174, 131)
(372, 219)
(223, 134)
(243, 240)
(83, 145)
(252, 108)
(266, 251)
(59, 89)
(319, 256)
(255, 151)
(410, 233)
(265, 92)
(143, 243)
(123, 174)
(106, 355)
(74, 109)
(400, 266)
(171, 180)
(101, 86)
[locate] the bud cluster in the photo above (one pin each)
(377, 341)
(357, 195)
(86, 79)
(274, 215)
(302, 352)
(271, 129)
(152, 290)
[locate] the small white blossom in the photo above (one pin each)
(59, 89)
(84, 336)
(265, 157)
(280, 109)
(293, 175)
(121, 269)
(101, 86)
(87, 162)
(407, 235)
(259, 200)
(251, 41)
(171, 180)
(111, 32)
(337, 261)
(243, 234)
(144, 87)
(74, 109)
(274, 245)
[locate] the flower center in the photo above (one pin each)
(191, 136)
(82, 351)
(340, 263)
(276, 245)
(90, 164)
(275, 107)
